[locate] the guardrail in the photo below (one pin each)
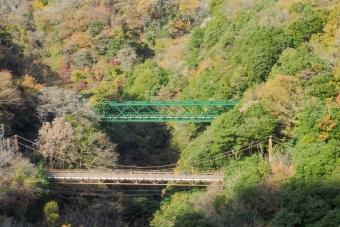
(119, 171)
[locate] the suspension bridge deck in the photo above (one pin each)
(162, 111)
(123, 177)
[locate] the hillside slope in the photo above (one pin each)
(280, 58)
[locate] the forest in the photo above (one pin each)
(279, 58)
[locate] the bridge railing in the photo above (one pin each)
(124, 171)
(162, 111)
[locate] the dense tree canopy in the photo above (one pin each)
(279, 58)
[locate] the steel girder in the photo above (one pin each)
(142, 181)
(159, 111)
(118, 177)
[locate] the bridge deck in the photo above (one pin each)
(162, 111)
(134, 178)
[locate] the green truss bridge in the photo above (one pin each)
(162, 111)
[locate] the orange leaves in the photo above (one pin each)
(279, 168)
(325, 125)
(82, 39)
(37, 4)
(204, 65)
(188, 4)
(5, 79)
(30, 83)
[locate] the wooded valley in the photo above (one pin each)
(279, 58)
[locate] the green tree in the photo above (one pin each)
(194, 47)
(303, 28)
(215, 5)
(320, 86)
(146, 81)
(294, 61)
(51, 211)
(213, 31)
(95, 28)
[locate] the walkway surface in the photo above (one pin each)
(134, 177)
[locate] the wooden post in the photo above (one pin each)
(2, 138)
(16, 143)
(270, 158)
(213, 163)
(8, 145)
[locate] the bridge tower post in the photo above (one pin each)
(213, 162)
(8, 144)
(270, 150)
(16, 146)
(2, 138)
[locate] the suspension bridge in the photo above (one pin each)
(162, 111)
(143, 176)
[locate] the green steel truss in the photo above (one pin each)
(159, 111)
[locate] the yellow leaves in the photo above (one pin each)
(181, 25)
(51, 213)
(119, 33)
(330, 33)
(37, 4)
(337, 73)
(329, 36)
(82, 39)
(204, 65)
(323, 136)
(290, 5)
(5, 79)
(30, 83)
(142, 5)
(176, 197)
(55, 49)
(172, 53)
(185, 163)
(188, 4)
(337, 100)
(99, 70)
(280, 91)
(282, 97)
(110, 88)
(30, 182)
(210, 63)
(44, 19)
(163, 192)
(325, 125)
(119, 82)
(80, 74)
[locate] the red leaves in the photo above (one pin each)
(64, 72)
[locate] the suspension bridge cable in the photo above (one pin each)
(218, 156)
(283, 141)
(117, 191)
(126, 195)
(66, 158)
(208, 159)
(145, 167)
(27, 146)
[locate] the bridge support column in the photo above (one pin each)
(270, 150)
